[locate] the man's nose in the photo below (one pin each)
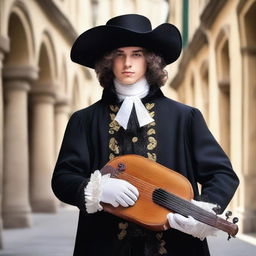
(127, 61)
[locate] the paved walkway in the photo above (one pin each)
(54, 235)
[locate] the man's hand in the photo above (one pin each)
(190, 225)
(118, 192)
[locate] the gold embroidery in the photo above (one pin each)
(162, 243)
(151, 131)
(114, 108)
(152, 156)
(149, 106)
(162, 250)
(111, 156)
(113, 145)
(152, 124)
(152, 114)
(114, 127)
(123, 226)
(134, 139)
(112, 116)
(159, 236)
(152, 143)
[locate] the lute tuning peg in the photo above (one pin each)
(217, 209)
(228, 214)
(235, 220)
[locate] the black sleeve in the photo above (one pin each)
(72, 170)
(213, 168)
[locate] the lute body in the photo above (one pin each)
(161, 190)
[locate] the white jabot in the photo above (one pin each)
(132, 94)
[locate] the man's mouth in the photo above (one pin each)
(127, 72)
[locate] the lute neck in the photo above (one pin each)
(186, 208)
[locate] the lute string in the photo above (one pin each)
(171, 201)
(176, 203)
(179, 204)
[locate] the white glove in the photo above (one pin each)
(118, 192)
(190, 225)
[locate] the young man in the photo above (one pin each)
(134, 117)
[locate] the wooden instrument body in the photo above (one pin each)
(148, 176)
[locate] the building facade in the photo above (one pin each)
(40, 88)
(216, 74)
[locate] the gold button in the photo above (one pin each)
(134, 139)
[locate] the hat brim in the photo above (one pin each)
(90, 46)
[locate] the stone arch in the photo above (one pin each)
(186, 92)
(63, 78)
(42, 136)
(223, 78)
(47, 60)
(19, 26)
(247, 20)
(18, 73)
(204, 75)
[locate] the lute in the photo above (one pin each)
(161, 190)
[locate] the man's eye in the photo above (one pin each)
(118, 54)
(137, 54)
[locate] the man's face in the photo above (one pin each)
(129, 64)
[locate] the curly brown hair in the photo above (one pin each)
(156, 75)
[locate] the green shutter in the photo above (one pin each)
(185, 23)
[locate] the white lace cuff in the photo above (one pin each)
(93, 190)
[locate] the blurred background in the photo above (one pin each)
(40, 88)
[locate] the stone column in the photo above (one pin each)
(1, 149)
(42, 148)
(248, 183)
(62, 111)
(16, 207)
(4, 47)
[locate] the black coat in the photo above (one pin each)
(178, 139)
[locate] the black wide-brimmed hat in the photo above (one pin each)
(126, 30)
